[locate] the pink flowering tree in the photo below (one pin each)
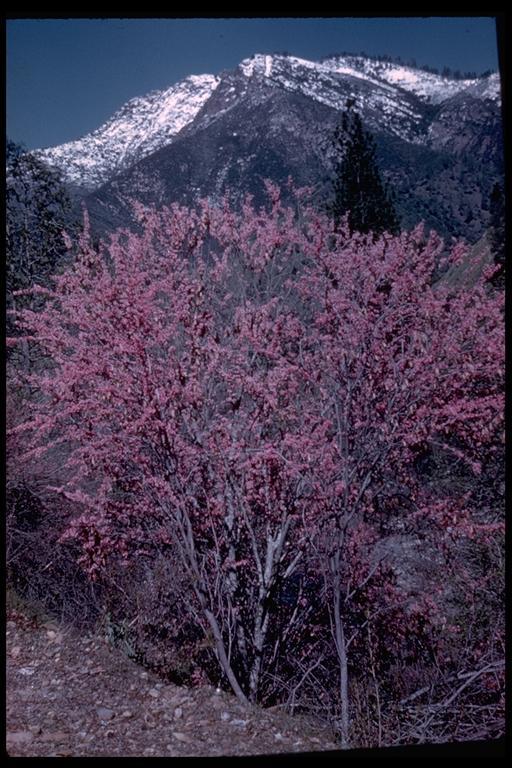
(173, 392)
(250, 392)
(398, 365)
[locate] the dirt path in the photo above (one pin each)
(69, 694)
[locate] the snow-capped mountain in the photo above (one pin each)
(430, 87)
(393, 99)
(439, 139)
(141, 126)
(331, 83)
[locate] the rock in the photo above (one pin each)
(26, 671)
(181, 737)
(127, 713)
(172, 699)
(225, 716)
(241, 723)
(15, 652)
(25, 693)
(35, 729)
(19, 737)
(104, 713)
(178, 712)
(52, 736)
(148, 751)
(154, 693)
(50, 625)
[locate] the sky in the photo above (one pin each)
(65, 77)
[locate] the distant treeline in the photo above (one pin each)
(455, 74)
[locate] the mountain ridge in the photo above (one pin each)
(142, 125)
(394, 96)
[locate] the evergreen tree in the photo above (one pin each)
(358, 189)
(37, 210)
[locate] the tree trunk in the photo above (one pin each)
(223, 659)
(260, 630)
(189, 558)
(343, 671)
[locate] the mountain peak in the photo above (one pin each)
(259, 63)
(390, 95)
(139, 127)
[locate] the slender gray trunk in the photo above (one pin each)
(223, 659)
(189, 558)
(232, 576)
(343, 670)
(220, 648)
(259, 639)
(261, 619)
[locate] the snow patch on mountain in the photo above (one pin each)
(142, 125)
(390, 97)
(384, 105)
(486, 88)
(427, 86)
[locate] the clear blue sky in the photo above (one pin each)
(65, 77)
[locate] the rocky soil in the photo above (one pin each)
(69, 694)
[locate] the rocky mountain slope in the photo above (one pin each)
(141, 126)
(439, 139)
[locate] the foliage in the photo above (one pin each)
(246, 395)
(497, 222)
(359, 191)
(37, 210)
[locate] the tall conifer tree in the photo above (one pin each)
(359, 191)
(37, 208)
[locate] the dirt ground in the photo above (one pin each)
(69, 694)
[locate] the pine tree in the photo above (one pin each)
(37, 210)
(358, 189)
